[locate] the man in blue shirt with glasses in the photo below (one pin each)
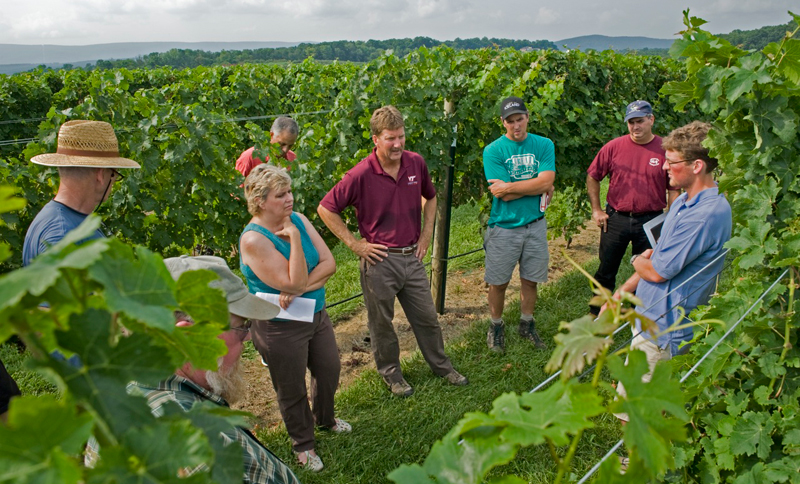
(695, 231)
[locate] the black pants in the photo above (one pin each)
(8, 388)
(622, 230)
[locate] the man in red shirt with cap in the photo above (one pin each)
(386, 189)
(637, 191)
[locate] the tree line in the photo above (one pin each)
(342, 50)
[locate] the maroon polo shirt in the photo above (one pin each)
(389, 211)
(638, 181)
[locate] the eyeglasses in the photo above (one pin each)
(117, 175)
(678, 161)
(244, 329)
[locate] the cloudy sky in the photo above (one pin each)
(80, 22)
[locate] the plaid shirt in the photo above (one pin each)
(260, 465)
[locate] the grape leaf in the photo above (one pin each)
(41, 437)
(45, 270)
(751, 434)
(649, 432)
(142, 288)
(582, 344)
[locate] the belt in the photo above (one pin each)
(402, 250)
(534, 221)
(636, 214)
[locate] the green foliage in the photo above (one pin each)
(84, 300)
(186, 128)
(559, 415)
(743, 397)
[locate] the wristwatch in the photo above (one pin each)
(634, 258)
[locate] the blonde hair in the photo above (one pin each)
(688, 141)
(263, 179)
(387, 117)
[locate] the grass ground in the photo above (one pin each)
(390, 431)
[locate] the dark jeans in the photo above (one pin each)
(8, 389)
(622, 230)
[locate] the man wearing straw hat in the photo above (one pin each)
(87, 159)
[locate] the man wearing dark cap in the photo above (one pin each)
(637, 191)
(88, 161)
(520, 169)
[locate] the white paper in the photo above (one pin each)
(301, 308)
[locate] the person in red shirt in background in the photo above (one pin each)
(283, 133)
(637, 191)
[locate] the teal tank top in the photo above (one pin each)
(312, 259)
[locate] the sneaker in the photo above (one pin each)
(341, 427)
(456, 378)
(623, 464)
(527, 330)
(496, 337)
(313, 462)
(264, 362)
(401, 388)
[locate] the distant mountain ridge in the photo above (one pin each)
(22, 55)
(604, 42)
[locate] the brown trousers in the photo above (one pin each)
(289, 347)
(403, 277)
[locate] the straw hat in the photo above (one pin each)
(90, 144)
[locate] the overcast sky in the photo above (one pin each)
(81, 22)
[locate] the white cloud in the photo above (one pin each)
(546, 16)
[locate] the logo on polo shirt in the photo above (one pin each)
(412, 179)
(655, 162)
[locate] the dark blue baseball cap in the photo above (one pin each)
(638, 109)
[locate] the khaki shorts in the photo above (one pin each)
(524, 245)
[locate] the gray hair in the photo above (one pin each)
(76, 172)
(284, 124)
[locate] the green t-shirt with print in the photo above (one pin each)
(512, 161)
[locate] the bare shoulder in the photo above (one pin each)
(252, 241)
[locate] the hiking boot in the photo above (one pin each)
(496, 337)
(401, 388)
(527, 330)
(456, 378)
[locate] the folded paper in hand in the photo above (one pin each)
(301, 308)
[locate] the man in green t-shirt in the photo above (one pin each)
(520, 169)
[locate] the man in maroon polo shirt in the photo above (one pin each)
(386, 189)
(637, 191)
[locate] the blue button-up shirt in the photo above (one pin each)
(693, 235)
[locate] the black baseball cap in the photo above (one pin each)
(512, 105)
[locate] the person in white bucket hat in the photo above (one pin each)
(88, 161)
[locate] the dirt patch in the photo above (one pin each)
(465, 303)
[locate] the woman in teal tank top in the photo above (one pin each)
(281, 253)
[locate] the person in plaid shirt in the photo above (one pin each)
(190, 386)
